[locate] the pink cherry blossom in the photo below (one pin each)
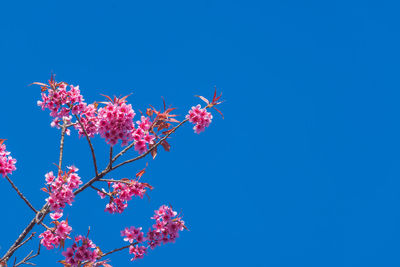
(89, 121)
(82, 250)
(165, 230)
(121, 193)
(61, 188)
(115, 122)
(7, 163)
(200, 118)
(61, 102)
(142, 136)
(52, 238)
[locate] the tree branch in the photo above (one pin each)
(45, 209)
(63, 129)
(28, 257)
(117, 249)
(90, 145)
(111, 157)
(115, 181)
(21, 195)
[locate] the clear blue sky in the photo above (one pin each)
(303, 171)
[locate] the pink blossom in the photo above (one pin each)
(61, 188)
(7, 163)
(138, 251)
(89, 121)
(123, 192)
(62, 103)
(56, 215)
(52, 238)
(142, 136)
(200, 118)
(82, 250)
(165, 230)
(115, 122)
(132, 234)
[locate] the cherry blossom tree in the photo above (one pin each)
(114, 121)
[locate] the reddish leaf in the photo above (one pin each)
(173, 120)
(149, 112)
(165, 145)
(203, 98)
(106, 96)
(169, 110)
(215, 93)
(2, 141)
(154, 153)
(168, 132)
(41, 84)
(139, 174)
(219, 111)
(125, 97)
(44, 189)
(148, 186)
(163, 101)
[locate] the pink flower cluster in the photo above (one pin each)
(61, 188)
(61, 102)
(167, 226)
(141, 135)
(89, 121)
(200, 118)
(132, 234)
(116, 122)
(53, 238)
(7, 163)
(78, 253)
(165, 230)
(123, 192)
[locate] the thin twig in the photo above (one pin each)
(25, 241)
(95, 188)
(28, 257)
(21, 195)
(90, 145)
(111, 158)
(45, 209)
(117, 249)
(63, 129)
(45, 226)
(39, 215)
(123, 151)
(115, 181)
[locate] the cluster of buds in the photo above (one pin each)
(7, 163)
(61, 188)
(165, 230)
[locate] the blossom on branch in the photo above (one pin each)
(7, 163)
(165, 230)
(61, 188)
(200, 118)
(82, 250)
(56, 236)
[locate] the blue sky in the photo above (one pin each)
(303, 170)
